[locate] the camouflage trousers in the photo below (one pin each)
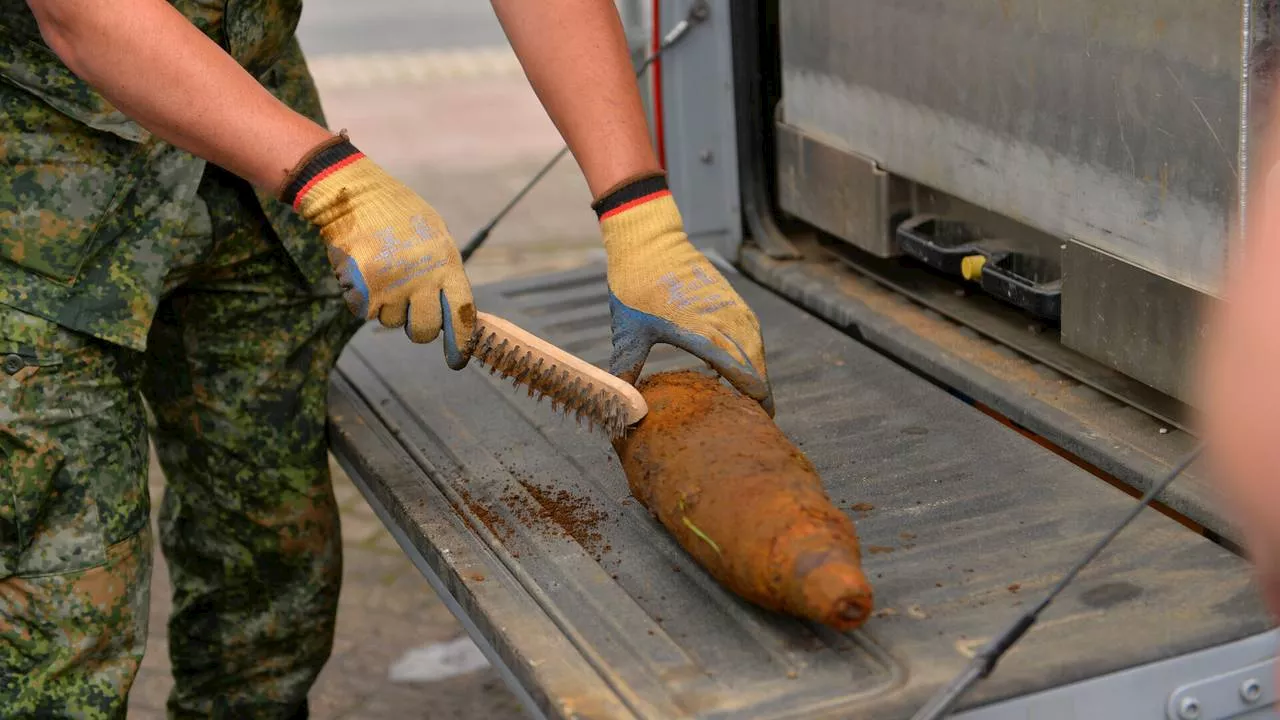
(236, 377)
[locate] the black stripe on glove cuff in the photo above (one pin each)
(628, 194)
(323, 160)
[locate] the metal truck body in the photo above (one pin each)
(978, 236)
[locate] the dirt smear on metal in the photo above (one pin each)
(553, 511)
(490, 519)
(577, 516)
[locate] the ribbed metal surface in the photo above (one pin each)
(962, 522)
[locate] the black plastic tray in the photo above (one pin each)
(1029, 282)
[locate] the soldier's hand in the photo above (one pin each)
(662, 289)
(391, 251)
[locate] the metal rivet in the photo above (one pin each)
(1189, 709)
(13, 363)
(1251, 691)
(707, 156)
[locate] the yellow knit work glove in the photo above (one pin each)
(663, 290)
(391, 251)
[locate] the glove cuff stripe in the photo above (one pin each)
(325, 163)
(629, 196)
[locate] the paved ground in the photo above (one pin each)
(459, 123)
(332, 26)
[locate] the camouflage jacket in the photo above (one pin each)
(94, 210)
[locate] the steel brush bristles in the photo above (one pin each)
(544, 378)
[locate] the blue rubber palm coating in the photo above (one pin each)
(354, 288)
(456, 357)
(636, 332)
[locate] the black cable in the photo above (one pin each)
(697, 13)
(985, 661)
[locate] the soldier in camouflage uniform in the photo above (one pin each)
(132, 269)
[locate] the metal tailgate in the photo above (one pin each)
(526, 521)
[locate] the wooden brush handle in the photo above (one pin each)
(631, 398)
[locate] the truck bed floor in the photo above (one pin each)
(527, 522)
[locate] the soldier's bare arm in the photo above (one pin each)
(662, 290)
(575, 55)
(392, 252)
(160, 70)
(1240, 385)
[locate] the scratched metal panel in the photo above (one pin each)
(699, 130)
(1114, 123)
(963, 522)
(1261, 33)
